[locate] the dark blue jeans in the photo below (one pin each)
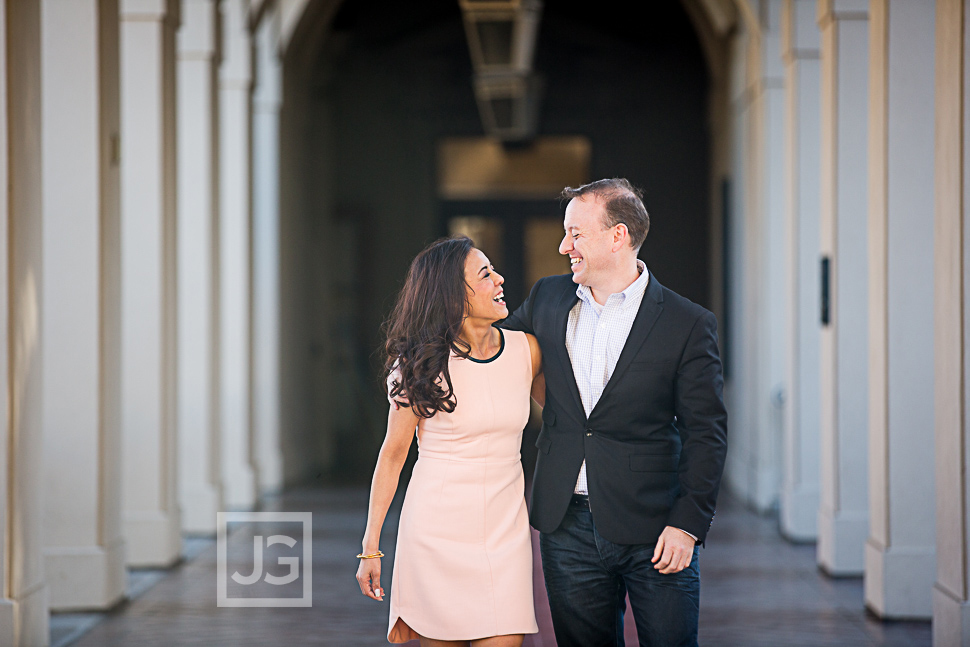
(588, 577)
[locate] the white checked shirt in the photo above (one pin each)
(595, 336)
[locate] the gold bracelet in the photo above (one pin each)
(371, 556)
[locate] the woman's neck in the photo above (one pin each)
(483, 338)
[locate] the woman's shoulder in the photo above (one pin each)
(522, 345)
(518, 339)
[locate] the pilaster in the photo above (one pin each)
(235, 257)
(84, 550)
(799, 488)
(199, 443)
(267, 98)
(900, 552)
(951, 593)
(843, 516)
(148, 212)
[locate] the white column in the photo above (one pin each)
(84, 551)
(758, 359)
(900, 553)
(235, 86)
(951, 594)
(200, 472)
(23, 590)
(843, 517)
(799, 492)
(151, 513)
(267, 97)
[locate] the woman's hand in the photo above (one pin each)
(369, 578)
(401, 424)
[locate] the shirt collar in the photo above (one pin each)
(627, 296)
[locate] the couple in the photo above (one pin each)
(631, 450)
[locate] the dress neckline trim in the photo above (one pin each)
(496, 355)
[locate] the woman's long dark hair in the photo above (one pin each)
(423, 328)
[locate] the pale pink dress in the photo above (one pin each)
(463, 565)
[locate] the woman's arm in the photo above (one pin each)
(538, 377)
(400, 429)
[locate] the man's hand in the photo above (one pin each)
(674, 550)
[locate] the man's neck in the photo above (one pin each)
(616, 282)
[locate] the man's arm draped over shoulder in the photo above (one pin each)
(702, 421)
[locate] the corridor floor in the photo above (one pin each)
(757, 590)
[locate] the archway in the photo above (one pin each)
(369, 101)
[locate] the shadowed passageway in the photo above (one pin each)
(757, 590)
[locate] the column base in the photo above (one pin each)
(951, 619)
(154, 539)
(86, 578)
(270, 474)
(26, 622)
(199, 509)
(799, 514)
(842, 539)
(899, 582)
(8, 609)
(240, 488)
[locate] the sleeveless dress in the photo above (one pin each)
(463, 564)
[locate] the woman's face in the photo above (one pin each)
(486, 299)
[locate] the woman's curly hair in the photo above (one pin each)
(423, 328)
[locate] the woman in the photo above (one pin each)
(463, 566)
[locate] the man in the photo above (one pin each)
(634, 431)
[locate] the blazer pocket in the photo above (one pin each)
(654, 463)
(543, 443)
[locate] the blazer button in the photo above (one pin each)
(589, 432)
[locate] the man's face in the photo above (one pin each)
(588, 242)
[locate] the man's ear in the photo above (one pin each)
(620, 236)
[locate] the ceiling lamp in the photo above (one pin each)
(501, 33)
(502, 41)
(508, 105)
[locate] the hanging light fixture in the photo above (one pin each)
(508, 105)
(501, 34)
(502, 40)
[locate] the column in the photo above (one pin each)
(235, 86)
(757, 371)
(267, 98)
(23, 590)
(151, 513)
(84, 552)
(200, 472)
(951, 594)
(799, 492)
(900, 552)
(843, 516)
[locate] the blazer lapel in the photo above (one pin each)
(566, 302)
(650, 309)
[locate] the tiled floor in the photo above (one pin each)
(757, 590)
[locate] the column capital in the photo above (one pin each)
(831, 10)
(799, 31)
(199, 37)
(151, 10)
(237, 51)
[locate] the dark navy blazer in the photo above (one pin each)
(655, 442)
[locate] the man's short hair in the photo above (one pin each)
(623, 204)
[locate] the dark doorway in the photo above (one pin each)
(392, 80)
